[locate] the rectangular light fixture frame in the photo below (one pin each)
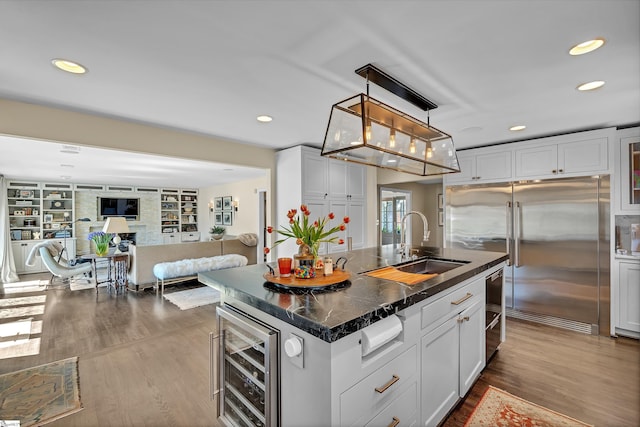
(364, 130)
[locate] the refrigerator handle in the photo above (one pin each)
(508, 234)
(214, 355)
(517, 234)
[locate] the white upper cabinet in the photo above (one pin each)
(346, 180)
(314, 175)
(629, 170)
(563, 159)
(483, 165)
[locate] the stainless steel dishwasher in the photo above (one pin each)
(494, 317)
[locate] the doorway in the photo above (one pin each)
(394, 204)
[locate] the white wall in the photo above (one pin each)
(245, 192)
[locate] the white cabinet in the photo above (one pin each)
(563, 159)
(168, 238)
(629, 298)
(315, 173)
(629, 171)
(483, 165)
(324, 185)
(21, 252)
(346, 180)
(385, 386)
(190, 237)
(452, 349)
(22, 249)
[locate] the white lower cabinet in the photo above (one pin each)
(21, 250)
(452, 351)
(361, 404)
(629, 299)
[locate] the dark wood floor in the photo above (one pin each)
(144, 362)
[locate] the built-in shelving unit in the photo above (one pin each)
(24, 210)
(170, 210)
(57, 210)
(189, 210)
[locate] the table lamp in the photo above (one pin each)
(115, 225)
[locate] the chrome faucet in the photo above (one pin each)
(425, 231)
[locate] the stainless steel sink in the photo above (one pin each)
(430, 266)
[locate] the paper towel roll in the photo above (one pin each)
(380, 333)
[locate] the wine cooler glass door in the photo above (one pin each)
(247, 366)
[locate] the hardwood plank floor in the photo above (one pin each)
(144, 362)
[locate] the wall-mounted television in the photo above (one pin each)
(118, 206)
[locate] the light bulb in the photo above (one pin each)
(412, 146)
(367, 133)
(429, 153)
(392, 138)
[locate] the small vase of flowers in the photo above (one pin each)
(308, 237)
(101, 240)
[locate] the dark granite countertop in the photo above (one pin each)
(331, 314)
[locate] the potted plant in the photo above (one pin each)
(217, 232)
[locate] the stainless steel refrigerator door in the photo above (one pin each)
(556, 249)
(479, 218)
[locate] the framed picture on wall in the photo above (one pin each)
(441, 218)
(218, 218)
(440, 201)
(227, 218)
(217, 203)
(226, 203)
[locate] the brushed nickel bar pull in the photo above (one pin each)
(463, 299)
(213, 350)
(508, 234)
(517, 233)
(395, 422)
(391, 382)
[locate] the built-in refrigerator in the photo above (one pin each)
(244, 370)
(556, 235)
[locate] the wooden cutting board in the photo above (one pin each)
(392, 273)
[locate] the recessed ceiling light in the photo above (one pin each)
(68, 66)
(264, 119)
(586, 47)
(517, 128)
(590, 85)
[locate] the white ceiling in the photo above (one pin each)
(212, 66)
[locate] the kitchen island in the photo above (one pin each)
(328, 377)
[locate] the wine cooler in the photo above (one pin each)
(244, 370)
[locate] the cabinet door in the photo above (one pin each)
(21, 252)
(583, 156)
(537, 161)
(629, 296)
(467, 163)
(439, 362)
(630, 173)
(314, 175)
(171, 238)
(319, 209)
(472, 346)
(356, 181)
(356, 227)
(338, 179)
(339, 208)
(494, 166)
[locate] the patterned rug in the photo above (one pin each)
(497, 408)
(41, 394)
(192, 298)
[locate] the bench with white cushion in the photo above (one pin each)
(187, 269)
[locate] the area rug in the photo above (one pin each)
(192, 298)
(497, 408)
(41, 394)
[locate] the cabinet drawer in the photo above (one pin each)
(358, 403)
(451, 303)
(402, 411)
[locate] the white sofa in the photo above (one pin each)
(143, 258)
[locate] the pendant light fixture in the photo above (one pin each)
(364, 130)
